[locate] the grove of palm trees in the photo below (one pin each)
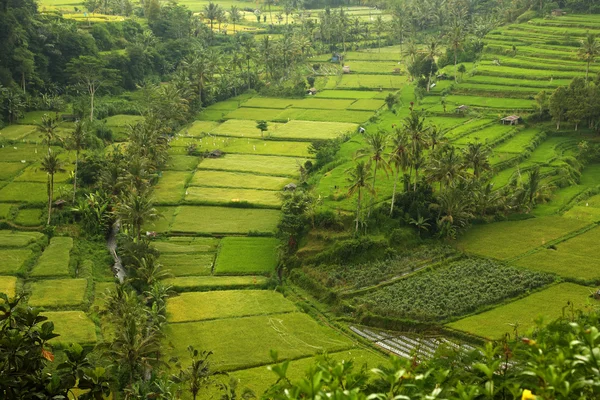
(286, 199)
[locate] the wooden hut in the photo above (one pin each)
(346, 69)
(511, 120)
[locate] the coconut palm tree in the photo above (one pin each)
(454, 208)
(476, 156)
(437, 136)
(377, 146)
(432, 52)
(235, 16)
(77, 142)
(135, 210)
(359, 178)
(51, 164)
(456, 41)
(211, 12)
(414, 126)
(47, 127)
(399, 158)
(589, 50)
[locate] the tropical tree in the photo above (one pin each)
(377, 146)
(446, 166)
(77, 142)
(461, 70)
(92, 73)
(541, 100)
(390, 101)
(454, 206)
(269, 3)
(51, 164)
(456, 39)
(235, 16)
(414, 126)
(359, 178)
(432, 52)
(420, 223)
(198, 374)
(135, 210)
(211, 12)
(399, 158)
(436, 136)
(558, 105)
(476, 155)
(263, 126)
(380, 27)
(589, 50)
(47, 127)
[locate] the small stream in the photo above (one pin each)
(111, 243)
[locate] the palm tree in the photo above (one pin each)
(436, 136)
(414, 126)
(269, 3)
(589, 50)
(450, 166)
(433, 51)
(135, 210)
(476, 156)
(420, 223)
(199, 374)
(51, 165)
(211, 12)
(400, 158)
(454, 207)
(359, 178)
(377, 146)
(235, 16)
(47, 127)
(456, 40)
(77, 142)
(380, 27)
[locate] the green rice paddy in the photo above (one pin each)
(244, 256)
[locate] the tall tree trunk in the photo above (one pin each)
(416, 179)
(23, 81)
(50, 195)
(75, 175)
(374, 192)
(394, 192)
(587, 71)
(357, 211)
(455, 62)
(92, 92)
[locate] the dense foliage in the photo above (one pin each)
(457, 289)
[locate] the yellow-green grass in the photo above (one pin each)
(548, 303)
(270, 102)
(259, 379)
(54, 261)
(353, 81)
(488, 134)
(323, 104)
(16, 132)
(576, 257)
(122, 120)
(9, 169)
(171, 187)
(247, 113)
(246, 255)
(374, 67)
(292, 335)
(34, 173)
(35, 117)
(583, 213)
(244, 128)
(199, 128)
(22, 152)
(8, 285)
(184, 264)
(346, 94)
(498, 158)
(265, 165)
(310, 130)
(101, 290)
(57, 293)
(367, 105)
(13, 260)
(238, 180)
(5, 211)
(187, 245)
(27, 192)
(491, 102)
(224, 105)
(519, 143)
(268, 147)
(202, 306)
(348, 116)
(18, 239)
(212, 195)
(72, 326)
(181, 163)
(200, 283)
(163, 222)
(226, 220)
(29, 217)
(504, 240)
